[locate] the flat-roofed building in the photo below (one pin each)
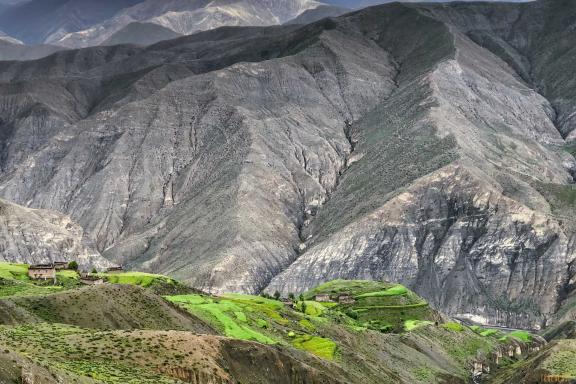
(42, 272)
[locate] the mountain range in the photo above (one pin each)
(82, 23)
(429, 144)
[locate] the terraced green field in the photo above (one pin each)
(240, 318)
(378, 306)
(260, 319)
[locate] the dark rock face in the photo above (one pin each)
(421, 144)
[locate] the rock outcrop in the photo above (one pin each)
(40, 236)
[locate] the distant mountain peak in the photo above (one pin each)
(183, 17)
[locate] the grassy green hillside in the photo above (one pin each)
(153, 328)
(14, 281)
(147, 356)
(101, 307)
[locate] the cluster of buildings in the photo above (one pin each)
(340, 299)
(48, 272)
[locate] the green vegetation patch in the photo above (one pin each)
(452, 326)
(305, 323)
(14, 281)
(489, 332)
(311, 308)
(112, 372)
(410, 325)
(234, 314)
(562, 363)
(10, 288)
(521, 335)
(106, 356)
(230, 316)
(425, 374)
(141, 279)
(319, 346)
(351, 287)
(393, 291)
(10, 271)
(68, 274)
(469, 347)
(241, 316)
(378, 305)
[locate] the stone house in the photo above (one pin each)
(60, 265)
(42, 272)
(346, 299)
(322, 298)
(115, 270)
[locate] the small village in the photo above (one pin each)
(48, 272)
(340, 299)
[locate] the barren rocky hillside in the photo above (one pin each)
(426, 144)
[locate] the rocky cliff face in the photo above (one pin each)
(421, 144)
(477, 236)
(39, 236)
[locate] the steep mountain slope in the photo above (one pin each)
(40, 236)
(319, 13)
(414, 143)
(357, 4)
(9, 50)
(141, 34)
(185, 17)
(101, 307)
(458, 233)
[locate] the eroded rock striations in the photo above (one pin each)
(412, 143)
(40, 236)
